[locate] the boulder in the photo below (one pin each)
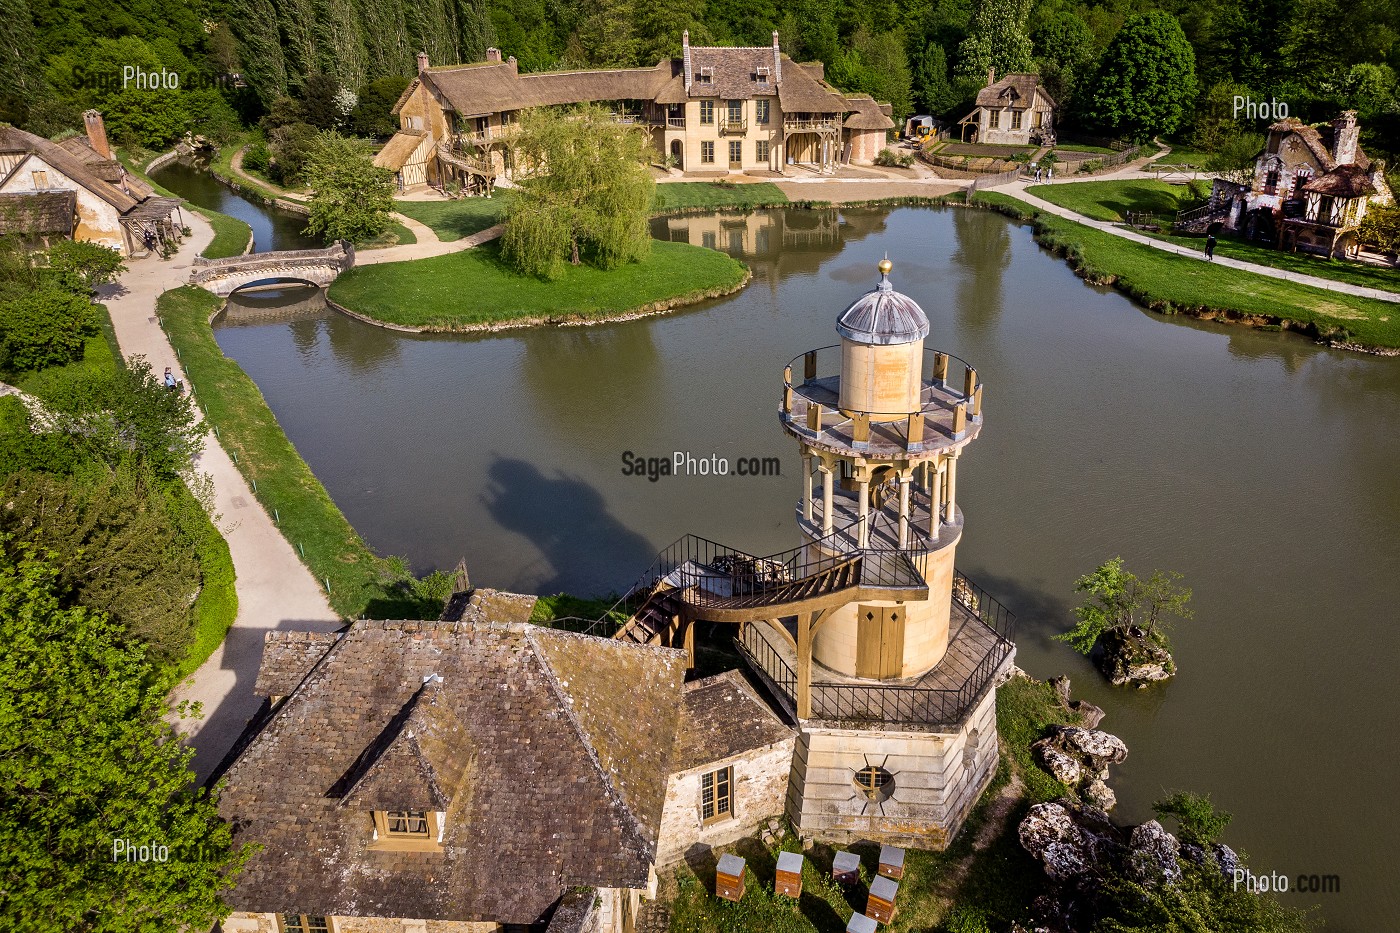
(1062, 766)
(1089, 714)
(1100, 748)
(1050, 834)
(1061, 685)
(1226, 858)
(1100, 795)
(1152, 855)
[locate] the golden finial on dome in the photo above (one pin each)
(886, 266)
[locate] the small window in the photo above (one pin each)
(1037, 119)
(761, 110)
(707, 149)
(1015, 119)
(716, 801)
(707, 112)
(304, 923)
(874, 782)
(994, 119)
(735, 111)
(41, 179)
(705, 76)
(761, 75)
(709, 240)
(760, 151)
(406, 823)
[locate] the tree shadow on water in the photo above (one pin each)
(588, 551)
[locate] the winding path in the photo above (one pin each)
(275, 590)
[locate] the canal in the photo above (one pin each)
(1259, 465)
(272, 228)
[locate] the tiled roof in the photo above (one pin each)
(13, 139)
(723, 717)
(38, 213)
(106, 169)
(287, 658)
(547, 750)
(733, 72)
(1013, 90)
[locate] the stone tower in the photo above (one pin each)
(894, 675)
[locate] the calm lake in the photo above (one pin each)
(1259, 465)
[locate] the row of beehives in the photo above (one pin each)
(731, 874)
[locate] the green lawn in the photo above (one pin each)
(1185, 155)
(395, 235)
(475, 287)
(1338, 270)
(1111, 200)
(285, 485)
(1082, 147)
(1169, 283)
(452, 220)
(706, 195)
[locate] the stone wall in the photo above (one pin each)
(937, 779)
(760, 791)
(241, 922)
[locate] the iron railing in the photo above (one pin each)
(893, 703)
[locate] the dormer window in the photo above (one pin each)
(761, 75)
(706, 76)
(407, 830)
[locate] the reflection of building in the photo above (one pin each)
(758, 234)
(1311, 188)
(1014, 111)
(77, 190)
(715, 109)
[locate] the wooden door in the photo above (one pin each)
(880, 641)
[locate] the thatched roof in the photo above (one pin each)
(39, 213)
(867, 114)
(804, 90)
(1319, 141)
(1013, 90)
(1344, 181)
(397, 150)
(13, 139)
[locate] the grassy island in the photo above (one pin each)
(1172, 284)
(476, 290)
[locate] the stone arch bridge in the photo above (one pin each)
(223, 277)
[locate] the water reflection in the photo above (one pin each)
(584, 381)
(272, 229)
(982, 257)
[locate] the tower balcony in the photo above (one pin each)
(882, 528)
(948, 413)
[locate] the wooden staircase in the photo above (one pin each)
(655, 619)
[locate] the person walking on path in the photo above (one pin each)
(1038, 173)
(1210, 247)
(1049, 174)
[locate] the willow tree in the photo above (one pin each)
(584, 192)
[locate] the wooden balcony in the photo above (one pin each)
(811, 124)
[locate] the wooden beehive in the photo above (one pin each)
(789, 880)
(880, 904)
(845, 868)
(729, 877)
(860, 923)
(892, 862)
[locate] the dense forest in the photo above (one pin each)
(1318, 56)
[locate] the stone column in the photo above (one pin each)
(826, 499)
(953, 488)
(935, 501)
(903, 508)
(807, 486)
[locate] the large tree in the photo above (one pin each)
(585, 194)
(1146, 79)
(88, 766)
(351, 197)
(996, 38)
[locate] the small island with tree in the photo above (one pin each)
(1125, 619)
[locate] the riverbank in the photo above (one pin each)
(1171, 284)
(232, 237)
(475, 290)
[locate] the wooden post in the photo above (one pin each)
(959, 420)
(787, 390)
(916, 430)
(814, 418)
(860, 428)
(804, 665)
(809, 365)
(940, 367)
(969, 382)
(977, 401)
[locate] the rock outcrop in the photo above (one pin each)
(1079, 759)
(1131, 658)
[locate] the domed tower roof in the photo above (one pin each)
(883, 316)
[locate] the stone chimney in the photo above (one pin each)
(493, 55)
(422, 62)
(991, 76)
(97, 133)
(777, 60)
(1345, 134)
(685, 57)
(514, 65)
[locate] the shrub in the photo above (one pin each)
(46, 327)
(892, 159)
(257, 158)
(1090, 165)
